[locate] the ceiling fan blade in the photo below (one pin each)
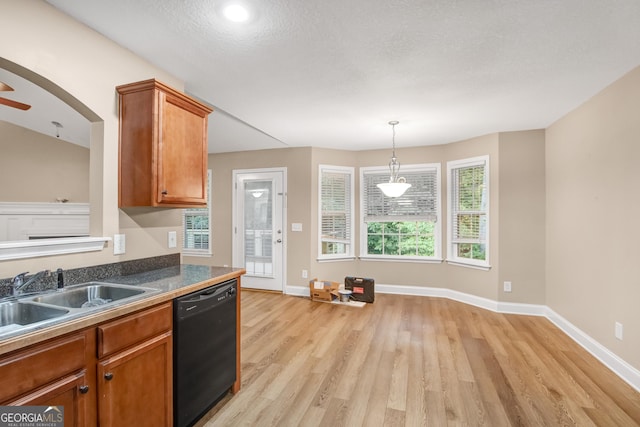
(5, 87)
(14, 104)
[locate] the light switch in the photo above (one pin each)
(173, 239)
(118, 244)
(296, 226)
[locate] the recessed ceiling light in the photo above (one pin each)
(236, 13)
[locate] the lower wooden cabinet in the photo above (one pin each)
(59, 372)
(135, 386)
(71, 393)
(116, 374)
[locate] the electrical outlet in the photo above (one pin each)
(119, 246)
(172, 239)
(305, 274)
(618, 330)
(507, 286)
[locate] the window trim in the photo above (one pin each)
(420, 167)
(201, 252)
(349, 170)
(451, 257)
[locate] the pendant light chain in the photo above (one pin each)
(393, 127)
(396, 185)
(393, 124)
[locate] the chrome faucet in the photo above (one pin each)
(18, 282)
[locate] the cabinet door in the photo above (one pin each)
(70, 392)
(182, 153)
(135, 385)
(41, 364)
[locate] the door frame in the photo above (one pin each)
(234, 216)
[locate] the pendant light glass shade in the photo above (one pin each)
(397, 185)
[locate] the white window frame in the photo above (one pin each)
(199, 252)
(349, 254)
(384, 170)
(452, 257)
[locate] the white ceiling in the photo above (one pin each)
(332, 73)
(45, 109)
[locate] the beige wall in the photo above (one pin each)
(88, 67)
(299, 198)
(593, 182)
(522, 217)
(523, 180)
(40, 168)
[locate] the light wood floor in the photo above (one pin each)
(414, 361)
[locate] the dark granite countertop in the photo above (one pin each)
(174, 279)
(167, 283)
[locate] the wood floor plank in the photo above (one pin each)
(358, 363)
(394, 418)
(294, 414)
(335, 415)
(400, 373)
(416, 412)
(414, 361)
(378, 395)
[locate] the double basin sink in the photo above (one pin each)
(28, 313)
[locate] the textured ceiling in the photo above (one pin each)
(45, 109)
(332, 73)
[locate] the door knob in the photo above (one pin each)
(279, 241)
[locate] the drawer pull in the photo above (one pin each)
(84, 389)
(108, 376)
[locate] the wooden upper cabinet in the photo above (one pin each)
(163, 147)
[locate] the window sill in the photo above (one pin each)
(469, 265)
(345, 258)
(391, 259)
(197, 254)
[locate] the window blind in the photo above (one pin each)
(196, 227)
(469, 204)
(335, 207)
(418, 203)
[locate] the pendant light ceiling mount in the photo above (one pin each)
(397, 185)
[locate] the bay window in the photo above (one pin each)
(405, 227)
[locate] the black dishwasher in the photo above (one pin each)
(204, 350)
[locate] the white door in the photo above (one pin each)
(259, 232)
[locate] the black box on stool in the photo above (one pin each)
(362, 289)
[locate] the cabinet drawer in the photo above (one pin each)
(41, 364)
(120, 334)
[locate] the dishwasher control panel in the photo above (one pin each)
(205, 299)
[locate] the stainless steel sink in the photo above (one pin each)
(18, 314)
(91, 294)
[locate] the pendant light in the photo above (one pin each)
(397, 185)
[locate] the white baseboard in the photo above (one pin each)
(497, 306)
(621, 368)
(297, 291)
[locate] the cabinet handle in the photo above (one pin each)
(84, 389)
(165, 192)
(108, 376)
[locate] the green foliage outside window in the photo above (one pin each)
(471, 215)
(406, 238)
(196, 230)
(471, 251)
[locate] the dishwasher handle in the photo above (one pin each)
(207, 294)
